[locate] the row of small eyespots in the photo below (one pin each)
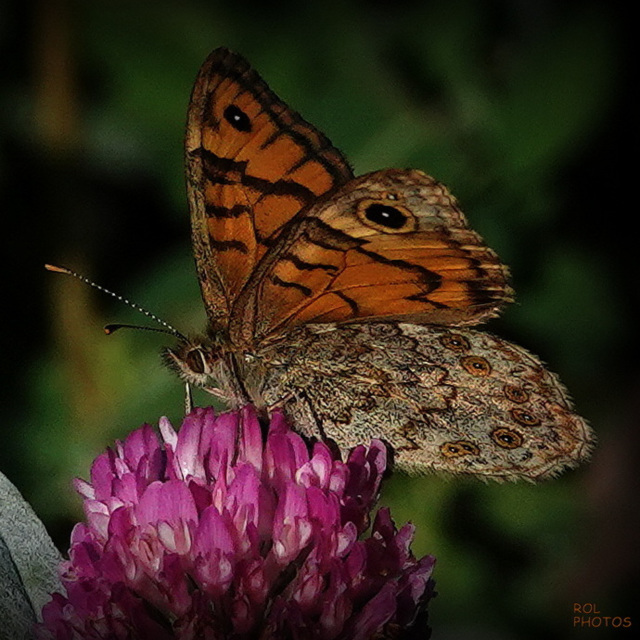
(479, 366)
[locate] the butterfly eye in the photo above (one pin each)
(195, 361)
(237, 118)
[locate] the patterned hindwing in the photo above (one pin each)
(252, 163)
(458, 401)
(391, 244)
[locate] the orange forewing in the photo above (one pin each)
(252, 165)
(334, 264)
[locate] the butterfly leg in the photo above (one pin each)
(218, 393)
(188, 399)
(279, 404)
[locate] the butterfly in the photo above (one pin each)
(346, 301)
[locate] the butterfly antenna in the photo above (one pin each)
(111, 328)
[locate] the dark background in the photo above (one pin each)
(522, 108)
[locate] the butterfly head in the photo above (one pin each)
(197, 361)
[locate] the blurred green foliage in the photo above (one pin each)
(520, 108)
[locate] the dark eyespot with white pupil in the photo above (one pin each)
(386, 216)
(237, 118)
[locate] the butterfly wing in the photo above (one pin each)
(252, 164)
(391, 244)
(453, 400)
